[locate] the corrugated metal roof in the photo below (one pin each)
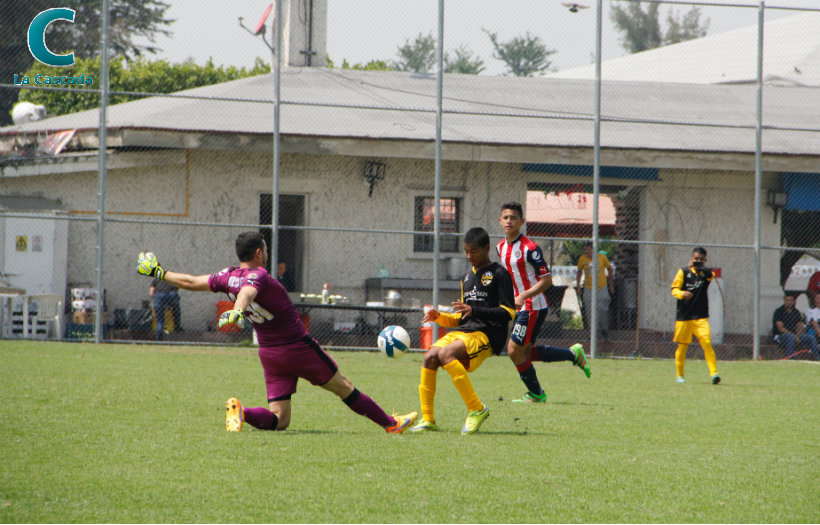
(791, 56)
(480, 110)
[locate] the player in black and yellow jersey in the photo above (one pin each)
(692, 317)
(482, 316)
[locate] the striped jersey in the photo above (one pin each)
(525, 262)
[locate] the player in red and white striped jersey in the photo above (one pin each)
(531, 278)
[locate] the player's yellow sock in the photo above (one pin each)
(680, 358)
(709, 355)
(427, 394)
(464, 386)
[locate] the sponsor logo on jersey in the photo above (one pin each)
(487, 278)
(536, 255)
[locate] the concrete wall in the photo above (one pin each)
(707, 208)
(220, 188)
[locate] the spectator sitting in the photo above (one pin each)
(813, 318)
(789, 328)
(813, 289)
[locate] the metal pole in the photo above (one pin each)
(437, 192)
(596, 180)
(101, 172)
(758, 181)
(273, 249)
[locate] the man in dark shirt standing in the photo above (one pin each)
(164, 296)
(692, 313)
(789, 328)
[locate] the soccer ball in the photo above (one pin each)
(394, 341)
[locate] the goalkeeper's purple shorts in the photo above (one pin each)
(285, 364)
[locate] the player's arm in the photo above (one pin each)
(148, 265)
(196, 283)
(544, 279)
(444, 319)
(610, 276)
(677, 287)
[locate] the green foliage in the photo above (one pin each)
(135, 434)
(139, 76)
(575, 249)
(570, 321)
(525, 56)
(687, 28)
(462, 61)
(373, 65)
(641, 29)
(418, 56)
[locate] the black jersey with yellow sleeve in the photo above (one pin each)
(696, 282)
(489, 292)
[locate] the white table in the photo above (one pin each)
(7, 294)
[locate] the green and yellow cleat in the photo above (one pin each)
(234, 415)
(475, 420)
(402, 422)
(529, 397)
(580, 358)
(424, 426)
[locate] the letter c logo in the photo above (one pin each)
(37, 37)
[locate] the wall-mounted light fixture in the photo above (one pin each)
(373, 171)
(777, 200)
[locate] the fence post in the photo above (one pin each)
(103, 138)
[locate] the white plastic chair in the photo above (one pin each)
(50, 310)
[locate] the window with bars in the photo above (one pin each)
(449, 211)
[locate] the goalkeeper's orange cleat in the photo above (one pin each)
(234, 415)
(403, 422)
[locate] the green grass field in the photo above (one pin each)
(130, 433)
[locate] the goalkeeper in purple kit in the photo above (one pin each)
(286, 350)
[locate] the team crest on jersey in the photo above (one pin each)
(517, 254)
(487, 278)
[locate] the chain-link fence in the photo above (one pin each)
(685, 141)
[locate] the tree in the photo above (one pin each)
(525, 56)
(641, 30)
(418, 56)
(462, 61)
(140, 75)
(687, 28)
(128, 20)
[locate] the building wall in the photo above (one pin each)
(220, 188)
(695, 208)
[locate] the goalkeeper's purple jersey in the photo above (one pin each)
(272, 313)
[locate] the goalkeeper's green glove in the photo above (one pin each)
(234, 317)
(147, 265)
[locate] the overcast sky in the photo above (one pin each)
(361, 30)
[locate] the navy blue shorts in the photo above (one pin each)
(526, 326)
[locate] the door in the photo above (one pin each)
(290, 244)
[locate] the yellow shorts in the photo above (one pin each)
(477, 343)
(684, 330)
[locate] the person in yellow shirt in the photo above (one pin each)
(605, 284)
